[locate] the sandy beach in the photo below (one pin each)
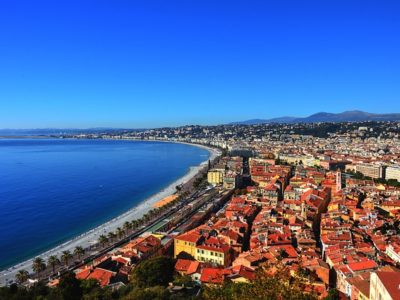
(90, 237)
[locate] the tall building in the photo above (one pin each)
(338, 181)
(370, 170)
(215, 176)
(393, 172)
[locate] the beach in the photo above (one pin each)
(90, 237)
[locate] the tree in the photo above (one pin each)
(152, 293)
(52, 262)
(65, 257)
(333, 294)
(111, 236)
(21, 276)
(79, 251)
(185, 281)
(135, 224)
(154, 271)
(38, 265)
(70, 287)
(120, 232)
(280, 285)
(103, 240)
(127, 226)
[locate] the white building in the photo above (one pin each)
(393, 172)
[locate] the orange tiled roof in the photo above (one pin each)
(102, 276)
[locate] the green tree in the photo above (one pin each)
(65, 257)
(120, 232)
(135, 224)
(154, 271)
(21, 276)
(279, 286)
(52, 262)
(103, 240)
(111, 236)
(333, 294)
(38, 265)
(127, 226)
(70, 287)
(151, 293)
(186, 281)
(79, 251)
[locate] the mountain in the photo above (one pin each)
(262, 121)
(347, 116)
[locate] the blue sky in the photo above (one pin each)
(151, 63)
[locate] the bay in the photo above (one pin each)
(52, 190)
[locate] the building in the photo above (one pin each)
(393, 251)
(215, 176)
(231, 180)
(186, 243)
(369, 170)
(393, 172)
(384, 286)
(213, 253)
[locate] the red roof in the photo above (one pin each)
(83, 274)
(187, 266)
(363, 265)
(244, 272)
(212, 275)
(188, 237)
(102, 276)
(391, 281)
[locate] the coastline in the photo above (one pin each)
(90, 237)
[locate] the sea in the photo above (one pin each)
(52, 190)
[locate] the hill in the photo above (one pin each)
(347, 116)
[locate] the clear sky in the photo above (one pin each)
(126, 63)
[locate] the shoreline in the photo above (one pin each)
(90, 237)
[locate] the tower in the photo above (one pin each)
(338, 180)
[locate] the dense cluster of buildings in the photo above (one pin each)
(306, 208)
(341, 232)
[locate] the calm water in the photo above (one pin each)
(53, 190)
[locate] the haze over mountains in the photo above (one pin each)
(347, 116)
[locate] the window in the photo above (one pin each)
(212, 253)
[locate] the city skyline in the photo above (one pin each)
(146, 65)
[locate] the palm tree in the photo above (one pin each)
(120, 232)
(127, 226)
(146, 217)
(135, 224)
(38, 265)
(53, 261)
(79, 251)
(111, 236)
(65, 257)
(21, 276)
(103, 239)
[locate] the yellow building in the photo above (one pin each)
(216, 255)
(186, 243)
(215, 177)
